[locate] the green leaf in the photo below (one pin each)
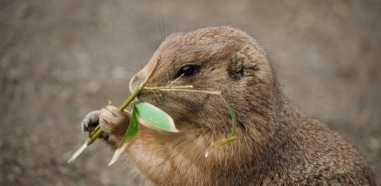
(219, 143)
(232, 115)
(223, 142)
(152, 116)
(229, 139)
(118, 152)
(133, 128)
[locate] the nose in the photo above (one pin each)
(133, 83)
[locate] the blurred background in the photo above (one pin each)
(61, 59)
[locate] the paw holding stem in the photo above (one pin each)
(97, 132)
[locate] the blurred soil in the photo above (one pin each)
(61, 59)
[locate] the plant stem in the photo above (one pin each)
(181, 89)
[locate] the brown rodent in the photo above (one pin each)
(276, 143)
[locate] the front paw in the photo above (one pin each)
(90, 122)
(114, 123)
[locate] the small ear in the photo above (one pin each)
(237, 65)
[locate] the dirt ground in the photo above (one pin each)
(61, 59)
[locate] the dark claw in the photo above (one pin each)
(90, 121)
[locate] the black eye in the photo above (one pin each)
(188, 70)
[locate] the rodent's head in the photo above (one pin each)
(214, 59)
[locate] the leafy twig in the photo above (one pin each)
(97, 132)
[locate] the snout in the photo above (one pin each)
(133, 83)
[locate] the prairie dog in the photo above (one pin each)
(276, 143)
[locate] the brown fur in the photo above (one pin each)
(276, 144)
